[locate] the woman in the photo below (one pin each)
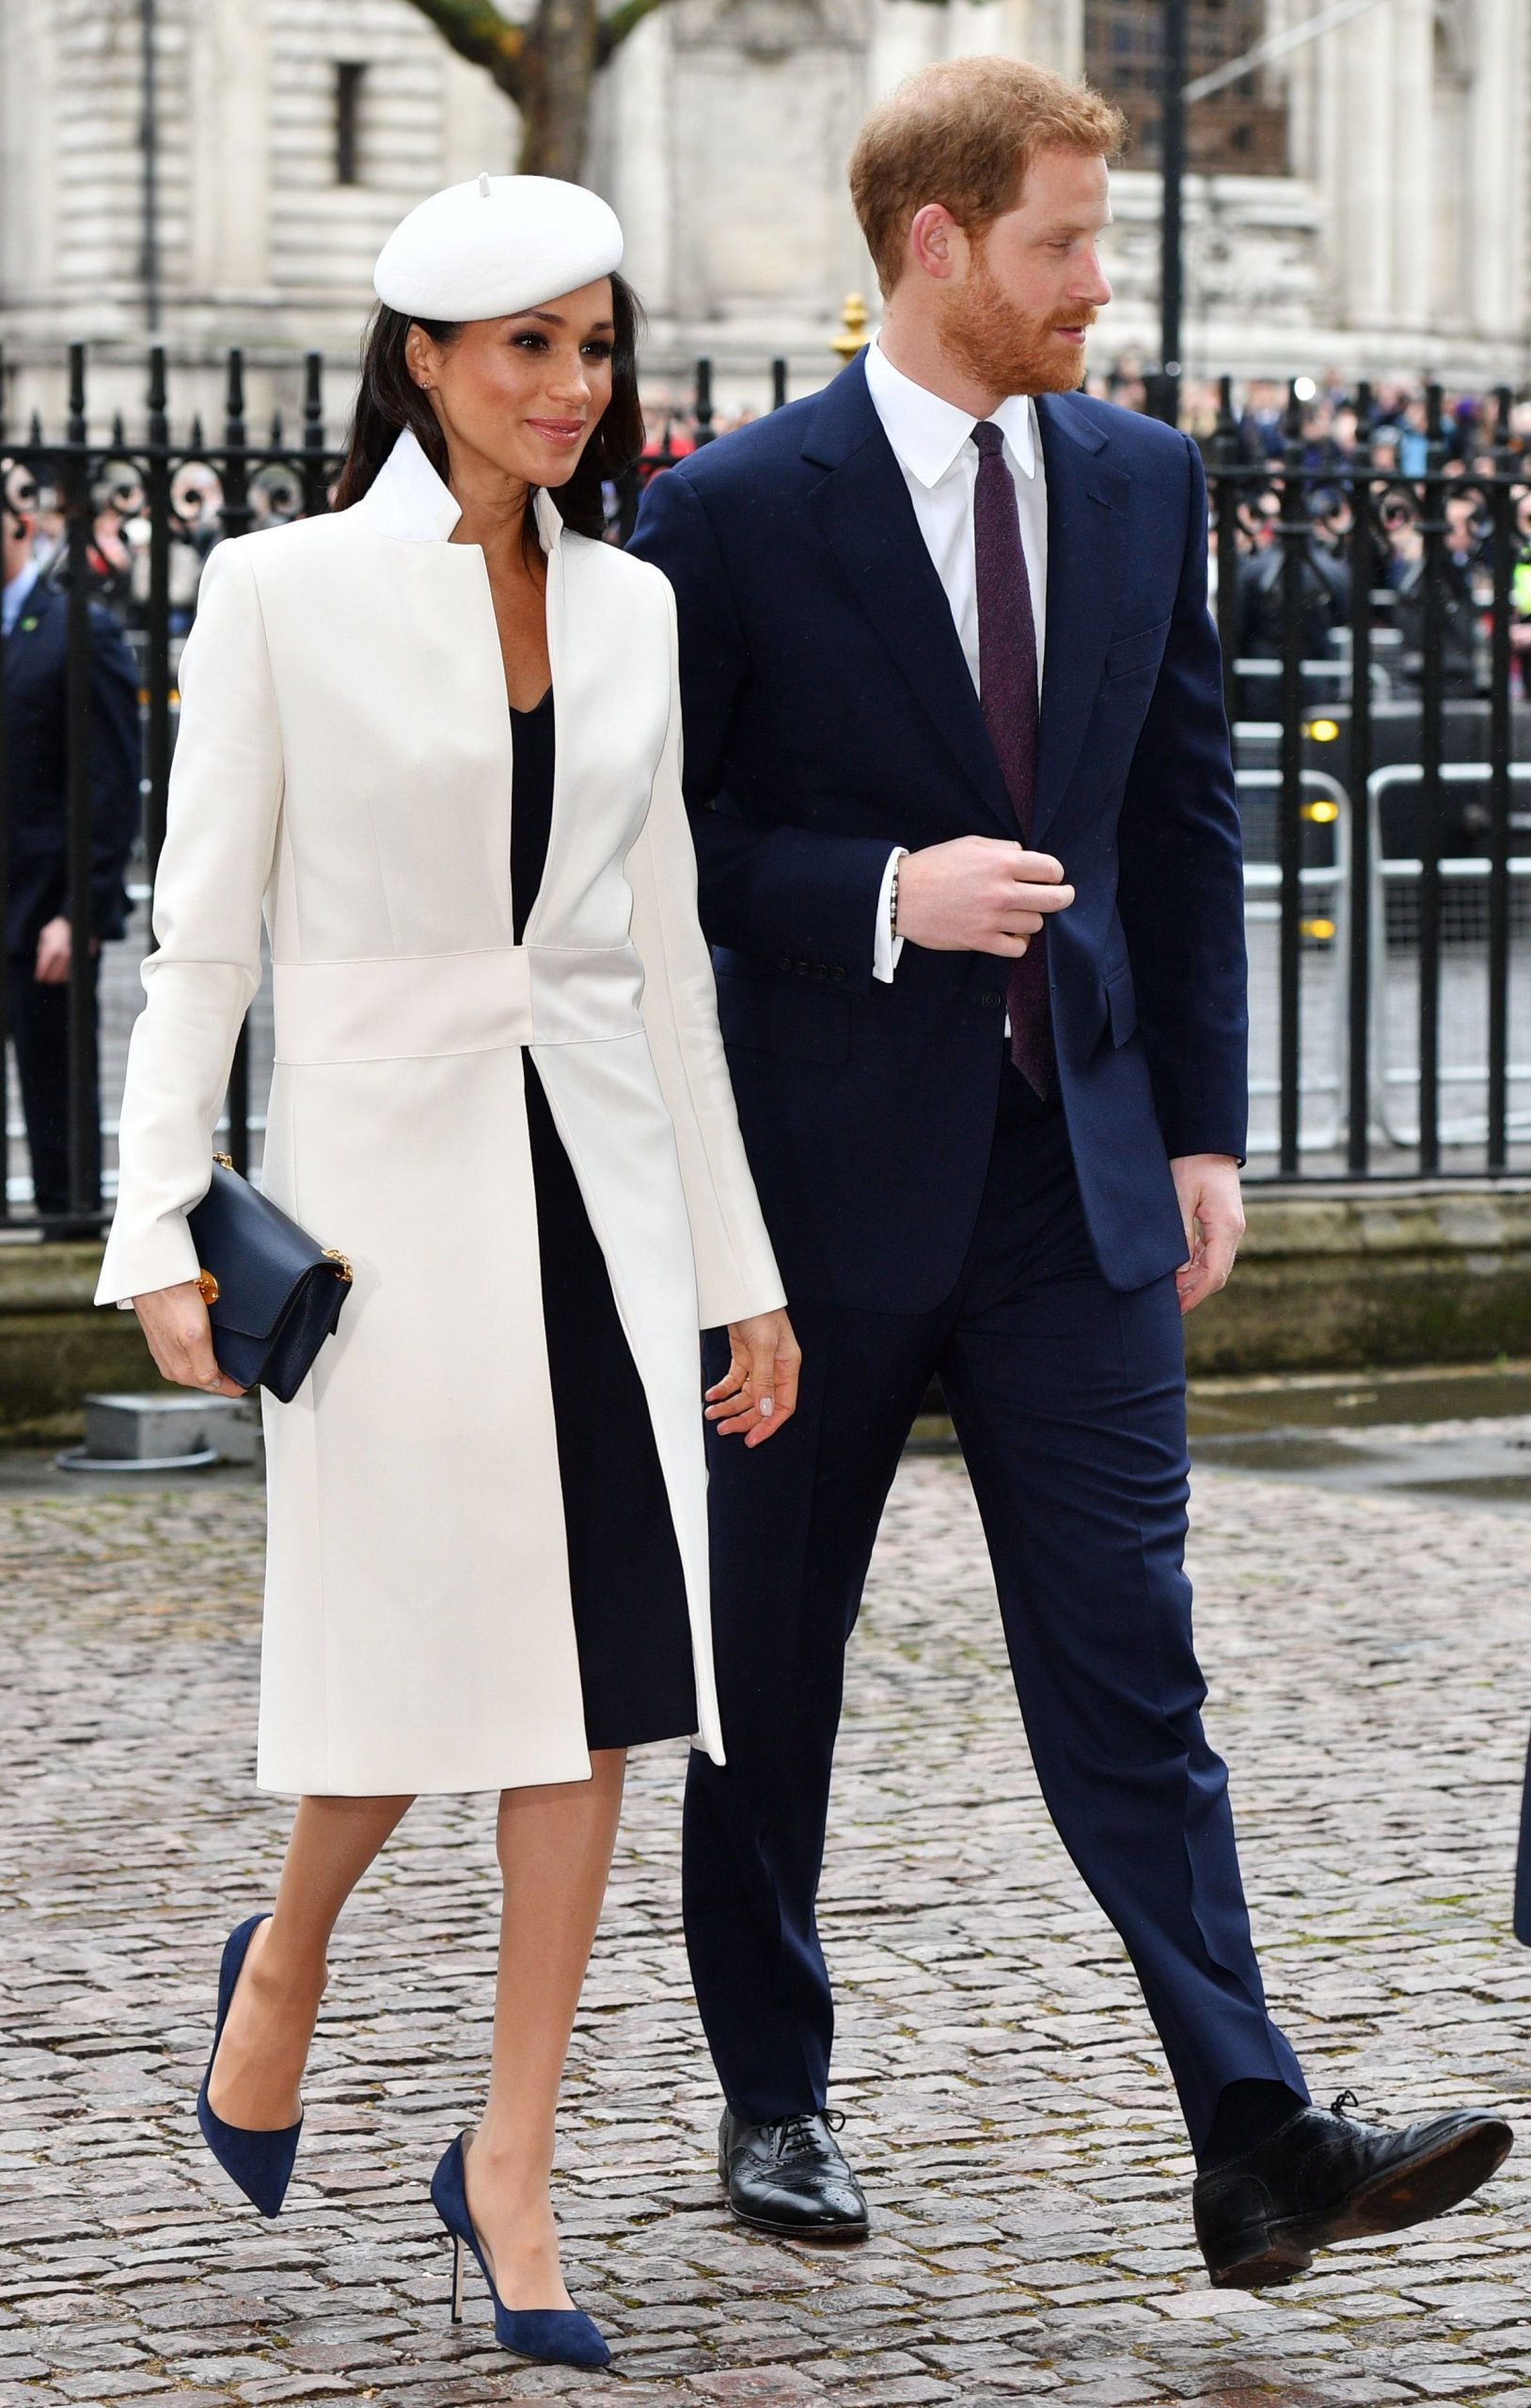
(439, 733)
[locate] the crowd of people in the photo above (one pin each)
(1395, 455)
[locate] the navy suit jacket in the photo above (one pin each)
(829, 714)
(37, 768)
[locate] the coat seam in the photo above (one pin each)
(735, 1266)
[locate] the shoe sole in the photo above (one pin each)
(817, 2233)
(1429, 2185)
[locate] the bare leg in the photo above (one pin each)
(555, 1853)
(265, 2042)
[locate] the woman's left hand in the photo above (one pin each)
(759, 1391)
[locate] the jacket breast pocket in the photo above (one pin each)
(1143, 651)
(784, 1016)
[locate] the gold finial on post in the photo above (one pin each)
(852, 337)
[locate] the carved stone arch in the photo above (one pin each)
(769, 30)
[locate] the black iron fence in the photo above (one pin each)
(127, 520)
(1376, 628)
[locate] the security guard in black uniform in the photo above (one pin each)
(32, 662)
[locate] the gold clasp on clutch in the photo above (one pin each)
(333, 1254)
(207, 1287)
(227, 1160)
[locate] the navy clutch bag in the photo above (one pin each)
(273, 1294)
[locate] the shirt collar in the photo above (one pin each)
(13, 595)
(928, 434)
(409, 501)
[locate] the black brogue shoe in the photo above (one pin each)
(791, 2177)
(1324, 2176)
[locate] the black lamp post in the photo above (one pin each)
(1172, 160)
(149, 136)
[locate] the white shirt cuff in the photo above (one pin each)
(885, 947)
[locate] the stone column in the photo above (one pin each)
(1353, 122)
(1408, 166)
(229, 232)
(635, 149)
(905, 34)
(480, 128)
(29, 171)
(1496, 198)
(1063, 44)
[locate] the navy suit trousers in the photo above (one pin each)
(39, 1017)
(1070, 1402)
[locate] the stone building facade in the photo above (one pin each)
(1363, 203)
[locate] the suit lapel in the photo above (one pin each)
(1087, 524)
(866, 517)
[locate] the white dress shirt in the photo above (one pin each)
(932, 441)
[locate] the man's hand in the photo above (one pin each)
(978, 895)
(1213, 1212)
(53, 954)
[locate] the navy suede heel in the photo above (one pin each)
(259, 2163)
(558, 2336)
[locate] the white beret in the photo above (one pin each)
(496, 245)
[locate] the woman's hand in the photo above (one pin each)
(180, 1335)
(759, 1391)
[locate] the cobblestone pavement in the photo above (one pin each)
(1029, 2175)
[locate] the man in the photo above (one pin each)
(34, 645)
(1324, 592)
(1457, 605)
(992, 1088)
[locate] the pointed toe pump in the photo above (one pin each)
(558, 2336)
(259, 2163)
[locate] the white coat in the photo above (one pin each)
(344, 761)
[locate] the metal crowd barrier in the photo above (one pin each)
(1464, 1001)
(1326, 888)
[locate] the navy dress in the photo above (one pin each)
(625, 1568)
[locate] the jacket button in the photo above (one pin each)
(801, 968)
(821, 970)
(839, 970)
(784, 961)
(991, 999)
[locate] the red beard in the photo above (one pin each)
(1004, 350)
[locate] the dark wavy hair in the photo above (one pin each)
(388, 399)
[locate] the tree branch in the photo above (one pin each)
(625, 19)
(476, 31)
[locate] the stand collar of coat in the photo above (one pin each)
(408, 501)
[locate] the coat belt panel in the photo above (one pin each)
(410, 1006)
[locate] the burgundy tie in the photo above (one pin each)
(1007, 693)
